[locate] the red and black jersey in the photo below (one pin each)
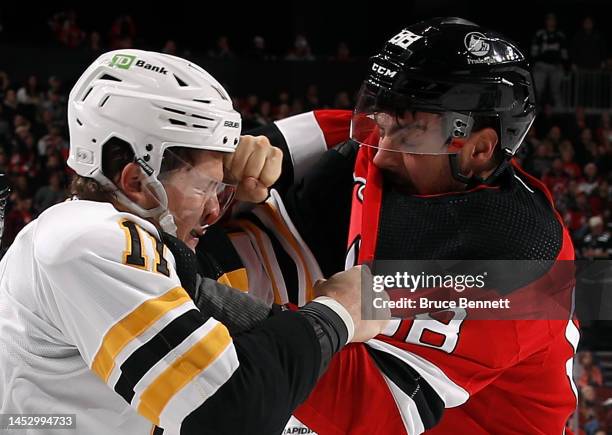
(443, 373)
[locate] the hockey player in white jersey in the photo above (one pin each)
(96, 314)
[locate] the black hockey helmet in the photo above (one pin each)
(451, 69)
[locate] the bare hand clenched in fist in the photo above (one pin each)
(256, 165)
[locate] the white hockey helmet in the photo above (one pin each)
(152, 101)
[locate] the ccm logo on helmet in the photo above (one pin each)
(125, 61)
(385, 72)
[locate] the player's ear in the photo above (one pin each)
(130, 183)
(484, 145)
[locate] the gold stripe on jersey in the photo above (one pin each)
(237, 279)
(287, 235)
(132, 325)
(259, 234)
(185, 368)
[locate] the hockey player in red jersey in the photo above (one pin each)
(448, 104)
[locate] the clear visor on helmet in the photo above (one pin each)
(195, 197)
(408, 129)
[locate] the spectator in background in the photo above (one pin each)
(571, 168)
(29, 94)
(549, 53)
(541, 162)
(343, 101)
(222, 49)
(590, 180)
(586, 148)
(248, 109)
(556, 179)
(283, 111)
(169, 47)
(259, 51)
(604, 131)
(603, 158)
(588, 49)
(343, 53)
(600, 200)
(55, 86)
(283, 98)
(10, 104)
(607, 408)
(588, 397)
(577, 124)
(24, 157)
(591, 374)
(5, 128)
(578, 211)
(591, 424)
(53, 141)
(297, 106)
(5, 83)
(50, 194)
(52, 162)
(123, 32)
(19, 216)
(47, 120)
(554, 136)
(301, 50)
(67, 32)
(596, 243)
(263, 116)
(95, 44)
(312, 98)
(4, 161)
(57, 107)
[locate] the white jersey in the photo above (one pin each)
(89, 300)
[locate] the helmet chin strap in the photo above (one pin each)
(474, 180)
(160, 214)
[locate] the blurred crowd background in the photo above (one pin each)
(314, 59)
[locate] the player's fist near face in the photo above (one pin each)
(256, 164)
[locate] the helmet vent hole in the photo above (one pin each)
(87, 94)
(201, 117)
(177, 122)
(110, 77)
(180, 112)
(104, 101)
(202, 101)
(179, 81)
(199, 126)
(79, 121)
